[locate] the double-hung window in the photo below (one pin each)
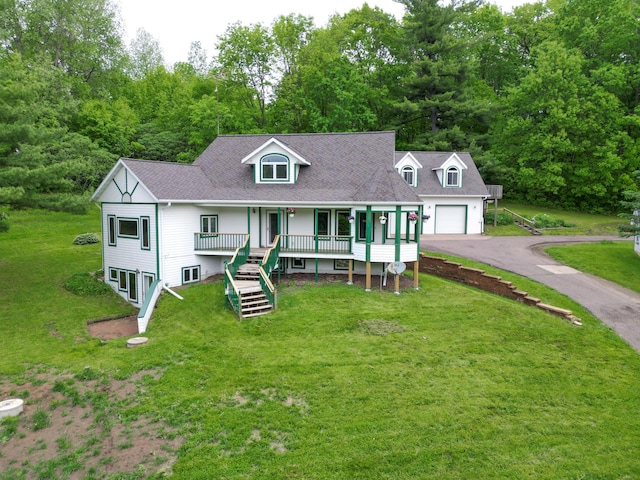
(209, 223)
(408, 173)
(453, 177)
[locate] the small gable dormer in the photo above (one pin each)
(274, 162)
(450, 173)
(408, 167)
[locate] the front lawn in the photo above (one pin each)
(446, 382)
(615, 261)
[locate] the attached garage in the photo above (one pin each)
(451, 219)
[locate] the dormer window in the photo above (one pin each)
(409, 175)
(274, 167)
(453, 177)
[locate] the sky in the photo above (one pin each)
(175, 24)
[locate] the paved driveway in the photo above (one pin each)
(614, 305)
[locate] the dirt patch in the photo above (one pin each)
(77, 427)
(110, 328)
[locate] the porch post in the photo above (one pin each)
(416, 270)
(367, 286)
(398, 234)
(350, 275)
(368, 252)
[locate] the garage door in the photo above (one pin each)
(451, 219)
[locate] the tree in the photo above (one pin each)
(43, 163)
(145, 54)
(560, 136)
(436, 95)
(631, 203)
(82, 37)
(245, 59)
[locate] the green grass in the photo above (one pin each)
(586, 223)
(615, 261)
(442, 383)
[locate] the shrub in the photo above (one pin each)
(542, 220)
(4, 222)
(502, 218)
(86, 285)
(86, 238)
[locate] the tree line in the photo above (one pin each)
(545, 97)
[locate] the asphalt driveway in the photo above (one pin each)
(614, 305)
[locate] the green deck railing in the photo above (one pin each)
(231, 268)
(315, 243)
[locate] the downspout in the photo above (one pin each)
(158, 246)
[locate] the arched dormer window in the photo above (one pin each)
(409, 175)
(452, 178)
(274, 167)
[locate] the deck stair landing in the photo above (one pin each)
(253, 301)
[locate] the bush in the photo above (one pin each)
(4, 222)
(502, 218)
(86, 285)
(542, 220)
(86, 238)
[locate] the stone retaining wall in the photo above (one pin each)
(489, 283)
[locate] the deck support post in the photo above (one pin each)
(416, 270)
(367, 287)
(350, 276)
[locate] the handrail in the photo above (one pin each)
(524, 222)
(271, 257)
(232, 293)
(267, 287)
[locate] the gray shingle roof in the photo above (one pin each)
(429, 184)
(344, 168)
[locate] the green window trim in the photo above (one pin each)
(128, 228)
(209, 225)
(409, 175)
(145, 238)
(111, 229)
(452, 177)
(323, 227)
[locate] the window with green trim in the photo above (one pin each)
(209, 223)
(128, 227)
(111, 220)
(324, 222)
(361, 222)
(274, 167)
(146, 233)
(453, 177)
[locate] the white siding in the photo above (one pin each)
(179, 224)
(386, 253)
(128, 253)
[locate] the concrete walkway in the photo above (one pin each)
(614, 305)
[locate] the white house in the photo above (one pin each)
(315, 203)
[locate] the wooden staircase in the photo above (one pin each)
(253, 301)
(523, 222)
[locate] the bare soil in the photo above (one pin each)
(73, 428)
